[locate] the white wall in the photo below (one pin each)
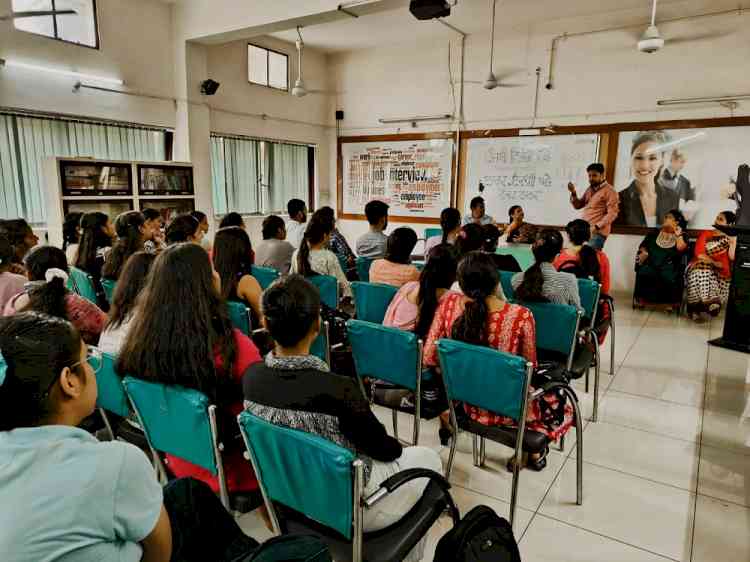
(599, 79)
(136, 46)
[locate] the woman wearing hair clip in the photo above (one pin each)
(46, 292)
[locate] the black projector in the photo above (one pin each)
(429, 9)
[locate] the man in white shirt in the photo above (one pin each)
(295, 229)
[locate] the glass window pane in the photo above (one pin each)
(257, 65)
(277, 70)
(41, 25)
(78, 28)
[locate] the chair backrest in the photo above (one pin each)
(302, 471)
(328, 287)
(175, 420)
(363, 269)
(389, 354)
(320, 347)
(589, 291)
(372, 300)
(110, 391)
(556, 326)
(484, 377)
(505, 283)
(109, 287)
(82, 283)
(239, 315)
(430, 232)
(264, 275)
(3, 369)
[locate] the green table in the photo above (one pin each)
(522, 253)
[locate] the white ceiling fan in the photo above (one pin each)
(35, 14)
(299, 90)
(652, 41)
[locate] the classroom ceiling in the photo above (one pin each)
(398, 26)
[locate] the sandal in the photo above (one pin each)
(539, 464)
(445, 436)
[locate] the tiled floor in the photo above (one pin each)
(666, 467)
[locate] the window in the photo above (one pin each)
(26, 141)
(252, 176)
(267, 68)
(79, 28)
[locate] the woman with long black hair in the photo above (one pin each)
(583, 260)
(182, 335)
(130, 230)
(233, 261)
(542, 282)
(22, 238)
(184, 228)
(71, 235)
(450, 224)
(97, 233)
(480, 317)
(47, 293)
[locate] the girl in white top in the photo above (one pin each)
(313, 257)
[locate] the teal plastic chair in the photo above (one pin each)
(109, 287)
(3, 369)
(265, 276)
(363, 269)
(372, 300)
(505, 283)
(589, 291)
(111, 395)
(181, 422)
(329, 289)
(391, 355)
(240, 316)
(522, 252)
(82, 284)
(321, 346)
(430, 232)
(310, 485)
(498, 382)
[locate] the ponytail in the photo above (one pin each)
(93, 238)
(439, 273)
(479, 279)
(48, 271)
(317, 229)
(546, 248)
(470, 326)
(450, 220)
(129, 241)
(590, 263)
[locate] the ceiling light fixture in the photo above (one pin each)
(59, 71)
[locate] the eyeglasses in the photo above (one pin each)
(94, 359)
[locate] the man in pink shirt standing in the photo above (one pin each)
(600, 205)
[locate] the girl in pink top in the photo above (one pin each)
(396, 269)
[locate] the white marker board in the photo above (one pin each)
(529, 171)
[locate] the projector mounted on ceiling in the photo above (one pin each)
(430, 9)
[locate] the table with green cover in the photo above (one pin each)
(522, 253)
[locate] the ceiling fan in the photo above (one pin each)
(299, 90)
(35, 14)
(652, 41)
(492, 81)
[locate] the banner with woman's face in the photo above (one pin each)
(693, 170)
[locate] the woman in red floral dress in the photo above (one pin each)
(482, 318)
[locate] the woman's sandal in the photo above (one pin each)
(445, 436)
(537, 465)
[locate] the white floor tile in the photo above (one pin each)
(724, 475)
(726, 431)
(253, 526)
(652, 516)
(722, 531)
(662, 385)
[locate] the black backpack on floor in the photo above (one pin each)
(290, 548)
(481, 536)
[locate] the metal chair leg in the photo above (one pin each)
(103, 414)
(394, 414)
(579, 445)
(475, 450)
(597, 370)
(482, 451)
(454, 441)
(612, 340)
(562, 444)
(587, 379)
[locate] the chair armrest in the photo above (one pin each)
(393, 483)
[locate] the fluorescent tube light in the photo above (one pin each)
(416, 118)
(77, 75)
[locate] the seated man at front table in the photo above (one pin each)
(295, 229)
(373, 243)
(477, 214)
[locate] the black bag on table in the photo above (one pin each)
(481, 536)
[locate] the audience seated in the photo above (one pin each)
(292, 388)
(542, 282)
(233, 261)
(131, 235)
(413, 307)
(182, 335)
(97, 234)
(22, 238)
(129, 286)
(517, 231)
(659, 269)
(583, 260)
(274, 251)
(71, 235)
(233, 219)
(339, 246)
(373, 243)
(710, 272)
(184, 228)
(477, 214)
(10, 283)
(202, 219)
(47, 293)
(312, 257)
(81, 499)
(450, 224)
(480, 317)
(396, 268)
(154, 225)
(295, 230)
(491, 239)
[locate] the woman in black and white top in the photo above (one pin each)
(295, 389)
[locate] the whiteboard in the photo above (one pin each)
(529, 171)
(413, 177)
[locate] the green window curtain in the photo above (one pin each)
(30, 140)
(235, 174)
(288, 175)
